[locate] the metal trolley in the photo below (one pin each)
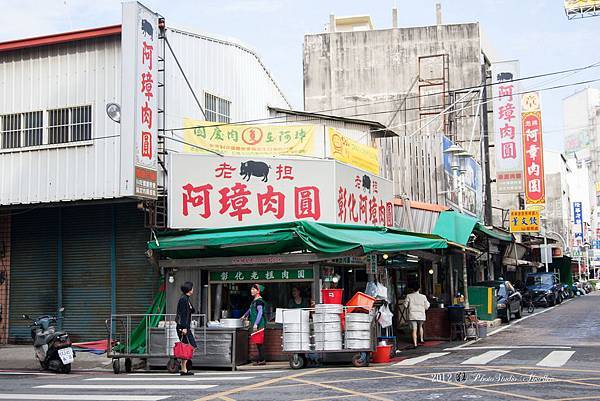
(307, 336)
(121, 329)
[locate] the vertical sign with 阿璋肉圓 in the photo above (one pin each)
(508, 143)
(139, 101)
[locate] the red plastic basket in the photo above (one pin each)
(332, 296)
(362, 301)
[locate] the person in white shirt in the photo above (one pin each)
(417, 305)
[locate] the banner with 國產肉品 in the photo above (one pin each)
(243, 139)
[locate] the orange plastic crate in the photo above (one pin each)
(362, 301)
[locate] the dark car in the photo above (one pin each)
(509, 300)
(545, 288)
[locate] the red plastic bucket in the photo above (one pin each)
(333, 296)
(382, 354)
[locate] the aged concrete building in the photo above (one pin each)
(422, 82)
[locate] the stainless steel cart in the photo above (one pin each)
(302, 341)
(121, 328)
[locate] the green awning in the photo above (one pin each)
(454, 226)
(290, 237)
(494, 233)
(457, 227)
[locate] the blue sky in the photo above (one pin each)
(536, 32)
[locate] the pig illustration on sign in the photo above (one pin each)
(256, 169)
(366, 183)
(504, 76)
(147, 28)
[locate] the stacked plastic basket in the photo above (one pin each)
(358, 330)
(327, 325)
(296, 330)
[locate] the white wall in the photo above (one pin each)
(71, 74)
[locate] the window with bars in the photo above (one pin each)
(217, 109)
(72, 124)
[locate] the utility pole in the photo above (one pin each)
(487, 214)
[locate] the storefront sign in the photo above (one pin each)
(139, 98)
(212, 191)
(248, 140)
(351, 152)
(524, 221)
(578, 221)
(535, 193)
(261, 275)
(507, 121)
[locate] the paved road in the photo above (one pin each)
(552, 354)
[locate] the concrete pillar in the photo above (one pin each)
(331, 23)
(394, 17)
(438, 14)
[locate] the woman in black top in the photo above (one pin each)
(185, 309)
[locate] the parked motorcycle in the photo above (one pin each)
(52, 348)
(567, 292)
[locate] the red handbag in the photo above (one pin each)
(183, 351)
(257, 337)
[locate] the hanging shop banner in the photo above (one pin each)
(465, 173)
(253, 276)
(524, 221)
(508, 142)
(139, 100)
(351, 152)
(581, 5)
(535, 193)
(248, 140)
(578, 221)
(213, 191)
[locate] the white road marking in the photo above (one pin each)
(485, 358)
(133, 378)
(83, 397)
(414, 361)
(556, 359)
(128, 386)
(515, 321)
(509, 347)
(239, 372)
(26, 373)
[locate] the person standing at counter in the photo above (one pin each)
(297, 301)
(417, 305)
(185, 310)
(257, 322)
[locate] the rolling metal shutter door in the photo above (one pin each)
(33, 271)
(137, 279)
(87, 235)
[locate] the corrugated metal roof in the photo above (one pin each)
(57, 38)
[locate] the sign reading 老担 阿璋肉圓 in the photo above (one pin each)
(261, 275)
(214, 192)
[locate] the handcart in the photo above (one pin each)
(139, 336)
(308, 334)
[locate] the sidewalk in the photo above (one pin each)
(21, 357)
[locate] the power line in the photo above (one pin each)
(249, 122)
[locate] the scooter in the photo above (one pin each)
(52, 348)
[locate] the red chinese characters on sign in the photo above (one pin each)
(236, 200)
(224, 170)
(147, 144)
(284, 172)
(271, 202)
(197, 197)
(363, 208)
(506, 113)
(307, 203)
(533, 158)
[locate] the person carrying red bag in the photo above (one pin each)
(185, 310)
(257, 322)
